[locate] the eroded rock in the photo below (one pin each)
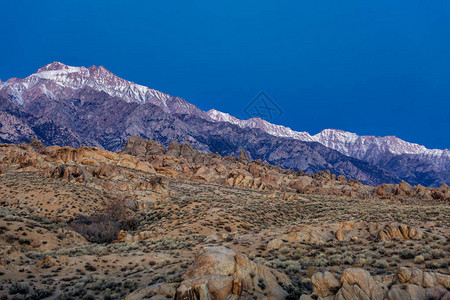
(356, 283)
(399, 231)
(325, 284)
(219, 273)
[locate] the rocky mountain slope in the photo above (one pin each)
(409, 161)
(91, 106)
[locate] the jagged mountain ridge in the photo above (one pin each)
(361, 147)
(104, 110)
(57, 81)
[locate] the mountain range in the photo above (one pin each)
(75, 106)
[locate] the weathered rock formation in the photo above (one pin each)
(256, 174)
(345, 231)
(91, 165)
(399, 231)
(219, 273)
(358, 284)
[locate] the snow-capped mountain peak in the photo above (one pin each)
(57, 80)
(57, 66)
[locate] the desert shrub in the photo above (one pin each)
(3, 229)
(281, 257)
(277, 263)
(382, 251)
(330, 251)
(321, 262)
(298, 253)
(40, 294)
(89, 297)
(285, 250)
(9, 238)
(130, 285)
(373, 254)
(396, 258)
(347, 258)
(261, 284)
(419, 259)
(19, 288)
(293, 266)
(381, 264)
(442, 264)
(96, 229)
(436, 264)
(407, 254)
(335, 260)
(418, 247)
(23, 241)
(105, 227)
(426, 256)
(90, 267)
(360, 261)
(105, 283)
(293, 293)
(306, 284)
(437, 253)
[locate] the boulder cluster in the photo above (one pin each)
(86, 165)
(89, 165)
(183, 160)
(220, 273)
(345, 231)
(358, 284)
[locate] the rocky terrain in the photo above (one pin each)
(157, 222)
(78, 106)
(409, 161)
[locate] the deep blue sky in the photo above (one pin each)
(370, 67)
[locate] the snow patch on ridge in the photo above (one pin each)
(276, 130)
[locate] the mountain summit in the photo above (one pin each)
(77, 106)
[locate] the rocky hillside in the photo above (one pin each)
(101, 168)
(156, 222)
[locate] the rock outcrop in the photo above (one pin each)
(358, 284)
(421, 278)
(405, 189)
(220, 273)
(92, 165)
(399, 231)
(325, 284)
(345, 231)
